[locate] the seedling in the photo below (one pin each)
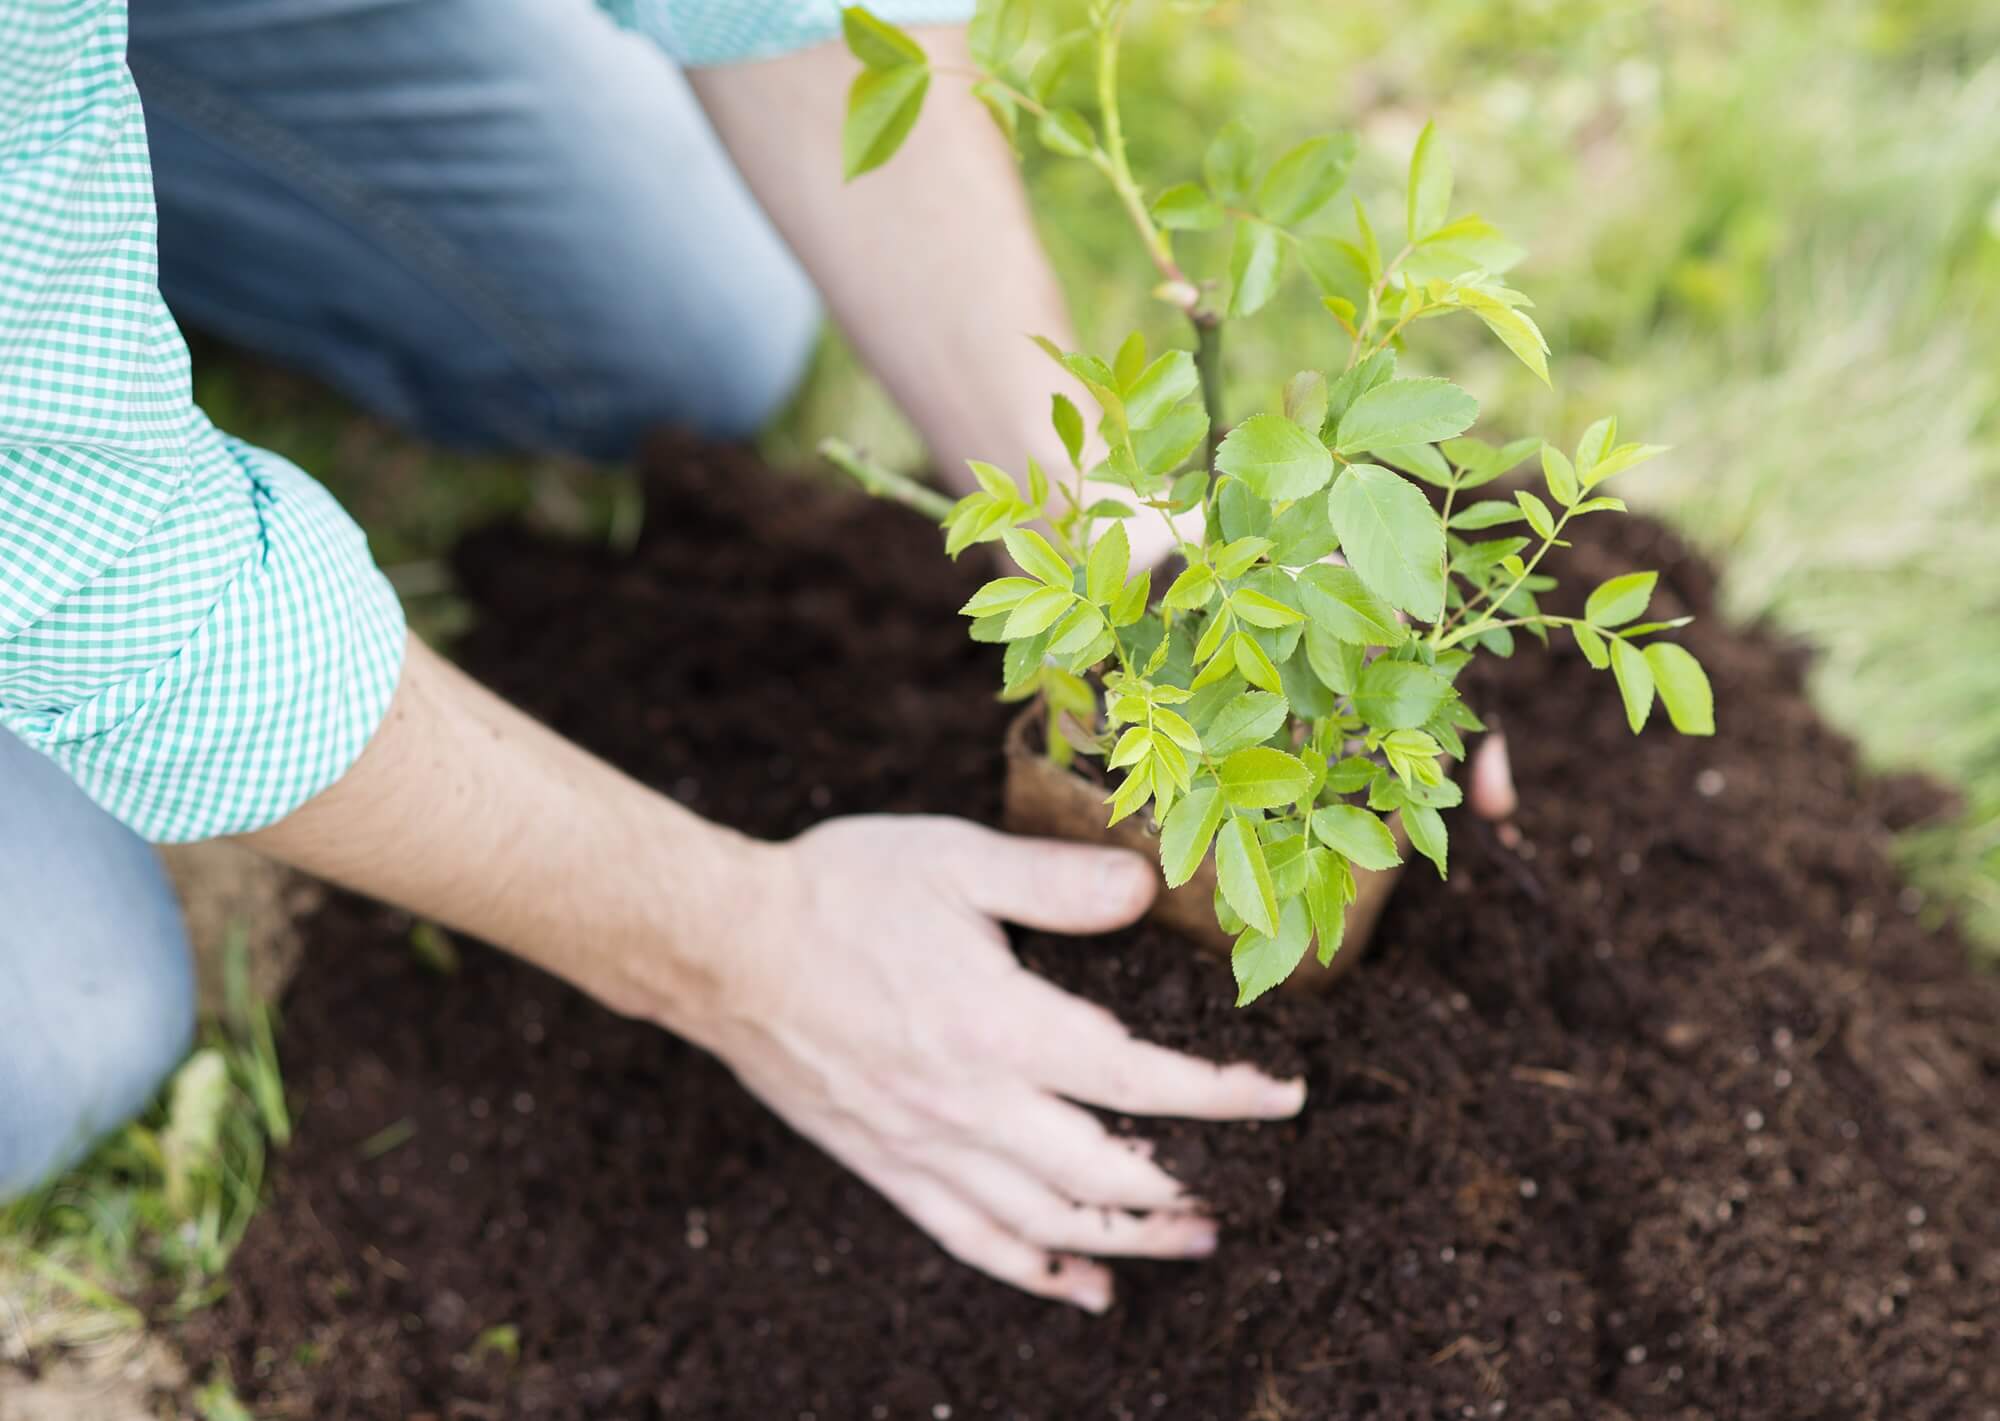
(1295, 683)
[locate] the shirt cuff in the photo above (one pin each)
(705, 32)
(268, 700)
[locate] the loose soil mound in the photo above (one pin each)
(1672, 1109)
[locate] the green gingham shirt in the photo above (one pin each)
(190, 626)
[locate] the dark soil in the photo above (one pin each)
(1671, 1109)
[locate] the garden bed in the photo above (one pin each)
(1665, 1105)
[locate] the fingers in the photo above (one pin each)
(1048, 884)
(1492, 793)
(1078, 1158)
(1031, 1210)
(1083, 1052)
(971, 1236)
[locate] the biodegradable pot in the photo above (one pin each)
(1045, 799)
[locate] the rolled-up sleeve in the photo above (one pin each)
(190, 626)
(706, 32)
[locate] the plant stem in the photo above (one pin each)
(885, 483)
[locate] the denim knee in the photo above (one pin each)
(97, 993)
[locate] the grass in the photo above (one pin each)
(143, 1229)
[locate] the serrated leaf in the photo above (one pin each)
(1227, 163)
(1423, 460)
(1163, 384)
(1356, 834)
(1255, 258)
(1110, 559)
(1191, 591)
(1621, 600)
(1254, 664)
(1391, 536)
(1249, 718)
(1262, 961)
(1305, 179)
(1487, 513)
(1262, 611)
(1329, 889)
(1402, 412)
(882, 108)
(1539, 517)
(1078, 630)
(1596, 443)
(1336, 598)
(1592, 646)
(1635, 682)
(877, 43)
(1683, 688)
(1261, 777)
(998, 596)
(1131, 602)
(1399, 695)
(1187, 207)
(995, 481)
(1516, 330)
(1425, 826)
(1188, 830)
(1275, 458)
(1038, 611)
(1430, 185)
(1172, 441)
(1336, 663)
(1244, 877)
(1302, 534)
(1036, 558)
(1560, 475)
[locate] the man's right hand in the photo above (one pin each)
(870, 999)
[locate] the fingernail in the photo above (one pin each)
(1124, 879)
(1202, 1242)
(1093, 1297)
(1287, 1097)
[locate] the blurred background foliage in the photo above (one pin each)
(1766, 232)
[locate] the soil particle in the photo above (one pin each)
(1664, 1105)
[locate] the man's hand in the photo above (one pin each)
(876, 1007)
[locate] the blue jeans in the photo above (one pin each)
(501, 222)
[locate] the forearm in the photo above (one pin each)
(930, 264)
(467, 812)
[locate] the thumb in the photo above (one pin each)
(1053, 885)
(1492, 793)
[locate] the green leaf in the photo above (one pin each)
(1405, 412)
(1621, 459)
(1262, 611)
(1254, 260)
(1275, 458)
(1635, 682)
(1251, 718)
(1187, 832)
(1305, 400)
(1423, 460)
(1254, 664)
(1338, 268)
(1107, 565)
(1056, 60)
(1187, 207)
(1227, 163)
(877, 43)
(1391, 536)
(1595, 445)
(1425, 826)
(1068, 420)
(998, 595)
(1302, 534)
(1170, 379)
(1261, 961)
(1244, 877)
(1592, 646)
(1235, 558)
(1487, 513)
(1130, 360)
(1399, 695)
(1683, 688)
(1329, 889)
(1336, 599)
(1036, 558)
(1000, 103)
(1131, 603)
(1191, 591)
(1621, 600)
(1286, 856)
(995, 481)
(1539, 517)
(1262, 778)
(1305, 179)
(1561, 476)
(1037, 611)
(1076, 631)
(1359, 835)
(1336, 663)
(1168, 444)
(1067, 132)
(1516, 330)
(997, 31)
(882, 108)
(1430, 185)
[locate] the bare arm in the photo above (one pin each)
(854, 978)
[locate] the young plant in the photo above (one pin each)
(1295, 683)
